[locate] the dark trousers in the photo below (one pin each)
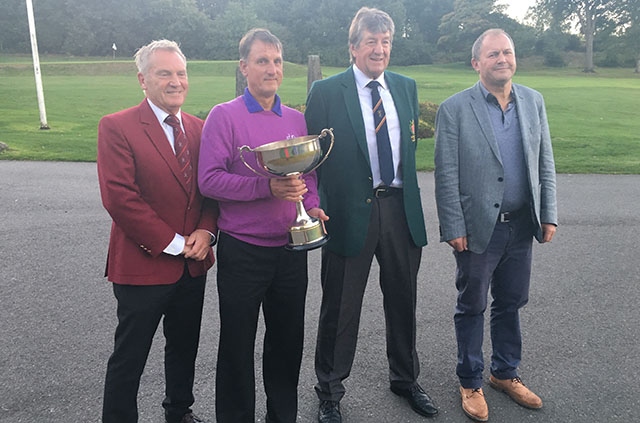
(140, 309)
(250, 276)
(344, 280)
(505, 267)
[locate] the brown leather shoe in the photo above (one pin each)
(474, 405)
(517, 391)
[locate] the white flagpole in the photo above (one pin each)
(36, 66)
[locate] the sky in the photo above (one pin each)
(517, 9)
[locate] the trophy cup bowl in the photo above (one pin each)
(295, 156)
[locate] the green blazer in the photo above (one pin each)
(345, 182)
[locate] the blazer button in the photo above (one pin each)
(368, 200)
(496, 205)
(500, 179)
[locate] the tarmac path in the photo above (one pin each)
(581, 331)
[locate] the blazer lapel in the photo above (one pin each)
(401, 103)
(354, 111)
(479, 107)
(159, 140)
(524, 112)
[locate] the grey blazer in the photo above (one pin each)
(468, 167)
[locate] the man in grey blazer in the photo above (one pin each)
(495, 190)
(370, 216)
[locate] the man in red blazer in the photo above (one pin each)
(161, 235)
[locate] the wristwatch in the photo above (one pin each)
(214, 239)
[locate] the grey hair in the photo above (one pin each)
(261, 34)
(477, 45)
(373, 20)
(143, 55)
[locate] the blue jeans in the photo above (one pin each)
(505, 267)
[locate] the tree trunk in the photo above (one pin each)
(638, 65)
(589, 33)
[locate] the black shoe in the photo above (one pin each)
(329, 412)
(189, 418)
(420, 402)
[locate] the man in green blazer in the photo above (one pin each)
(372, 197)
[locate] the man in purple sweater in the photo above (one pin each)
(254, 268)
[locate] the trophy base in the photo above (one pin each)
(307, 247)
(307, 237)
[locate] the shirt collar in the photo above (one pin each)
(362, 80)
(490, 98)
(161, 115)
(254, 107)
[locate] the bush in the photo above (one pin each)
(614, 59)
(554, 58)
(427, 121)
(299, 107)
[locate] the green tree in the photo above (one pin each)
(417, 32)
(464, 24)
(211, 29)
(424, 17)
(229, 27)
(212, 8)
(14, 37)
(630, 34)
(591, 16)
(188, 26)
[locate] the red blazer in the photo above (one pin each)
(147, 198)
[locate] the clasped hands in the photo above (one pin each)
(292, 188)
(197, 245)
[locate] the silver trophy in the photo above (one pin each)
(295, 156)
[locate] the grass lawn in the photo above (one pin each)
(593, 117)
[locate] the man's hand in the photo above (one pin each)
(548, 231)
(459, 244)
(318, 213)
(196, 245)
(291, 188)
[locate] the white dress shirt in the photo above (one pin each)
(393, 125)
(177, 244)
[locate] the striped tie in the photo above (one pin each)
(182, 149)
(385, 157)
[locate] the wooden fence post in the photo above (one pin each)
(314, 72)
(241, 82)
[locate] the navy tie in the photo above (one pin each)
(182, 151)
(385, 157)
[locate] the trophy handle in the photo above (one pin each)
(323, 134)
(247, 148)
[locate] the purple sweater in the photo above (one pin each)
(248, 211)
